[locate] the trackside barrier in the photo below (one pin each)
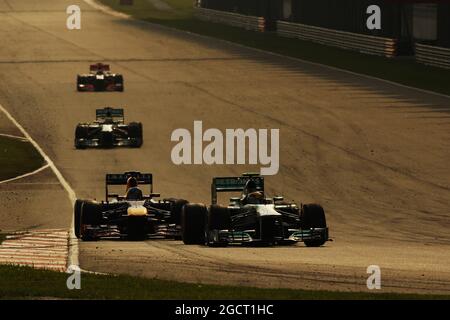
(433, 56)
(346, 40)
(232, 19)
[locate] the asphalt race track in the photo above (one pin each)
(374, 154)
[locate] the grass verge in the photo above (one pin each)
(17, 157)
(28, 283)
(401, 70)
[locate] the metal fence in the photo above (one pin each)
(434, 56)
(346, 40)
(232, 19)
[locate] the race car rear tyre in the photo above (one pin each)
(77, 218)
(313, 216)
(79, 81)
(218, 218)
(91, 214)
(193, 221)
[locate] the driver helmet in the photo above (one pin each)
(133, 192)
(250, 187)
(132, 183)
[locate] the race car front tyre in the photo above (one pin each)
(78, 83)
(91, 214)
(218, 219)
(81, 132)
(313, 216)
(193, 221)
(119, 80)
(77, 218)
(135, 134)
(176, 207)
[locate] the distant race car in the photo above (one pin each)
(100, 79)
(127, 217)
(252, 218)
(108, 130)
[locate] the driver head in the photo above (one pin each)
(250, 187)
(132, 183)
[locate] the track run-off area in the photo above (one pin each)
(374, 154)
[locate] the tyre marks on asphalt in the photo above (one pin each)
(267, 273)
(42, 249)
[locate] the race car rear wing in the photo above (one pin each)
(116, 114)
(233, 184)
(116, 179)
(99, 67)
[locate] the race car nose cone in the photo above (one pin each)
(107, 128)
(136, 212)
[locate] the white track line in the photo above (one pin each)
(73, 241)
(26, 174)
(117, 14)
(23, 139)
(106, 9)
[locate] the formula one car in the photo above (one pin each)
(109, 130)
(128, 217)
(100, 79)
(252, 218)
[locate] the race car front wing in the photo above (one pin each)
(97, 143)
(248, 237)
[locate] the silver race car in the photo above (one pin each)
(252, 218)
